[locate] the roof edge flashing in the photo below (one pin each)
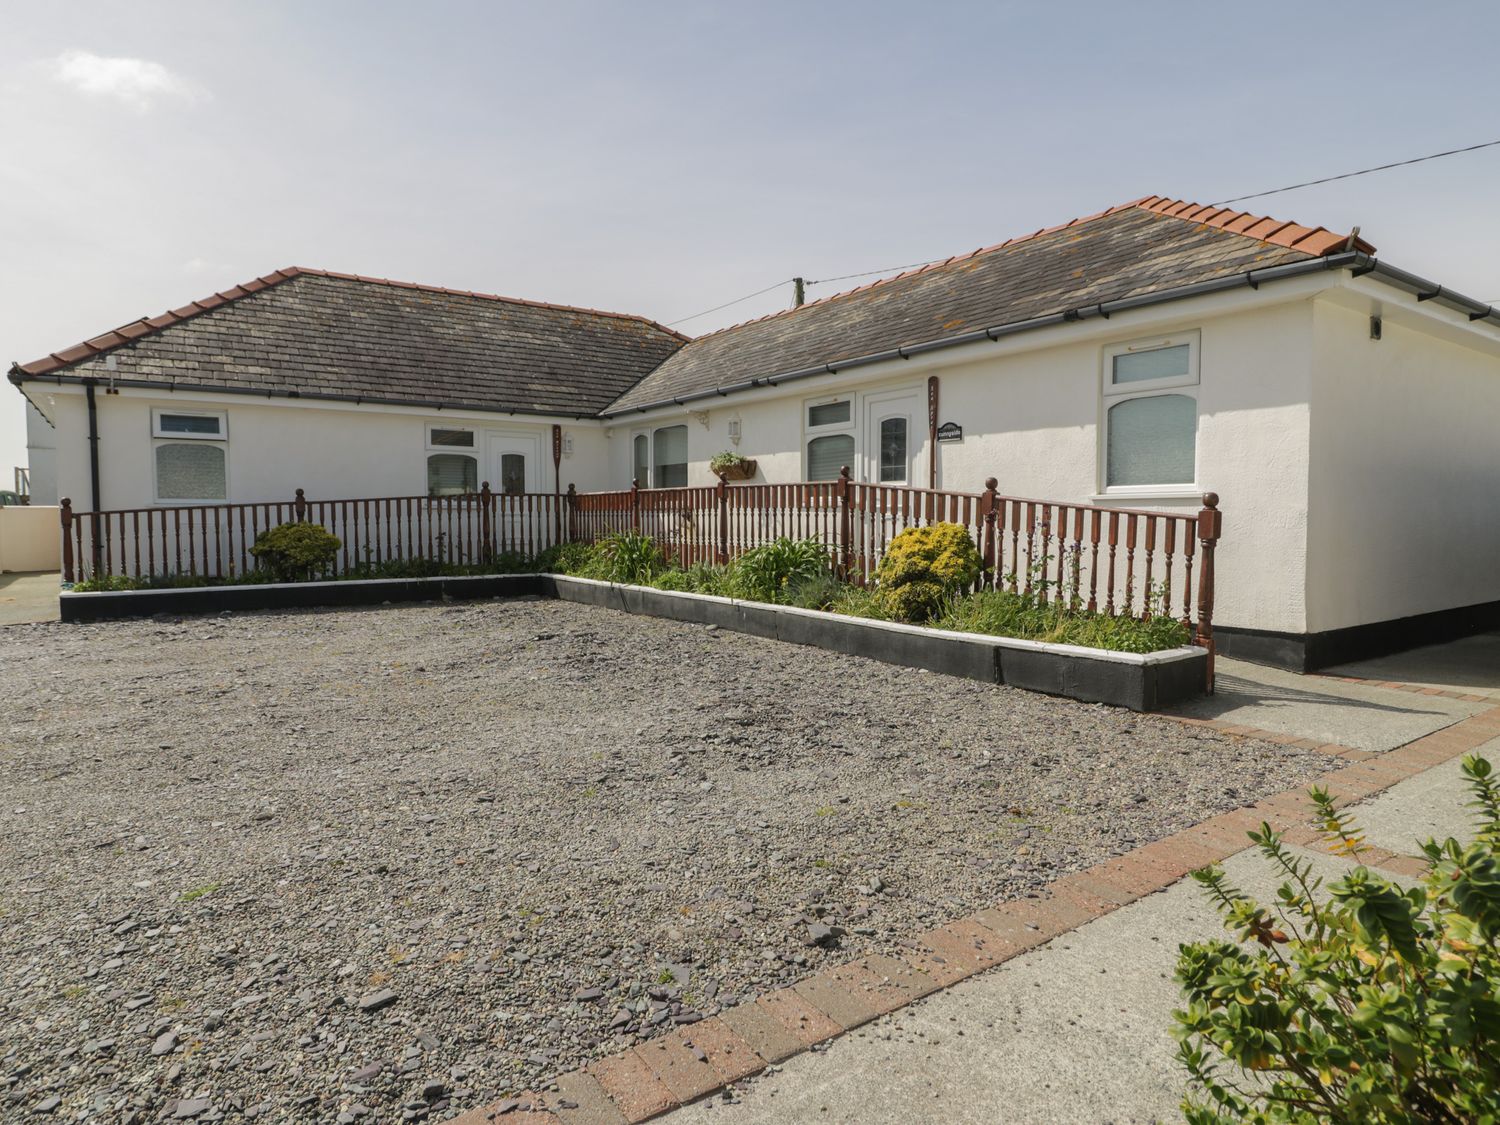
(993, 334)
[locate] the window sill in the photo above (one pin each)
(1134, 495)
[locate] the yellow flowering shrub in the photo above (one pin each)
(923, 566)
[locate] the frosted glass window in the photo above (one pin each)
(1158, 363)
(893, 460)
(641, 467)
(827, 455)
(451, 474)
(829, 414)
(512, 473)
(1151, 440)
(190, 471)
(671, 447)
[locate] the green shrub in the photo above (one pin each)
(1003, 614)
(817, 592)
(116, 582)
(943, 552)
(296, 552)
(700, 578)
(860, 601)
(914, 602)
(922, 566)
(765, 573)
(1368, 1004)
(567, 558)
(628, 557)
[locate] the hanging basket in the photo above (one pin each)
(741, 470)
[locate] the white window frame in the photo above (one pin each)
(1112, 394)
(649, 433)
(651, 446)
(472, 447)
(810, 431)
(471, 450)
(160, 437)
(645, 479)
(157, 413)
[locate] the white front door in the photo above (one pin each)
(894, 438)
(514, 463)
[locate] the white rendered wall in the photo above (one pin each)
(41, 457)
(1031, 408)
(1406, 469)
(275, 447)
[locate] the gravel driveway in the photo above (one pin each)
(388, 864)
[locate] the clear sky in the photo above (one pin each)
(662, 158)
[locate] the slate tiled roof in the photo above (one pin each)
(1146, 246)
(320, 333)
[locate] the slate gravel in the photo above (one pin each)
(388, 864)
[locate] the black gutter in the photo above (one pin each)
(88, 390)
(1356, 261)
(17, 376)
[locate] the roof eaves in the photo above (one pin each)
(1252, 278)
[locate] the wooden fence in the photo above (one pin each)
(213, 541)
(1118, 561)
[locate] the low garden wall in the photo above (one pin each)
(1139, 681)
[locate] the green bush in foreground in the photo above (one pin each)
(296, 552)
(1367, 1005)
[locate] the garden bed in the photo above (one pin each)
(1139, 681)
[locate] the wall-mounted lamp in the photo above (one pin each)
(1374, 328)
(734, 430)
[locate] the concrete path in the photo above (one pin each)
(1468, 665)
(1079, 1030)
(1076, 1031)
(1325, 709)
(28, 597)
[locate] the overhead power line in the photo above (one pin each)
(1220, 203)
(728, 304)
(1361, 172)
(872, 273)
(790, 280)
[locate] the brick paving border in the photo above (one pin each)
(1415, 689)
(654, 1077)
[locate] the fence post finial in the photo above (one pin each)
(1210, 527)
(300, 506)
(67, 539)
